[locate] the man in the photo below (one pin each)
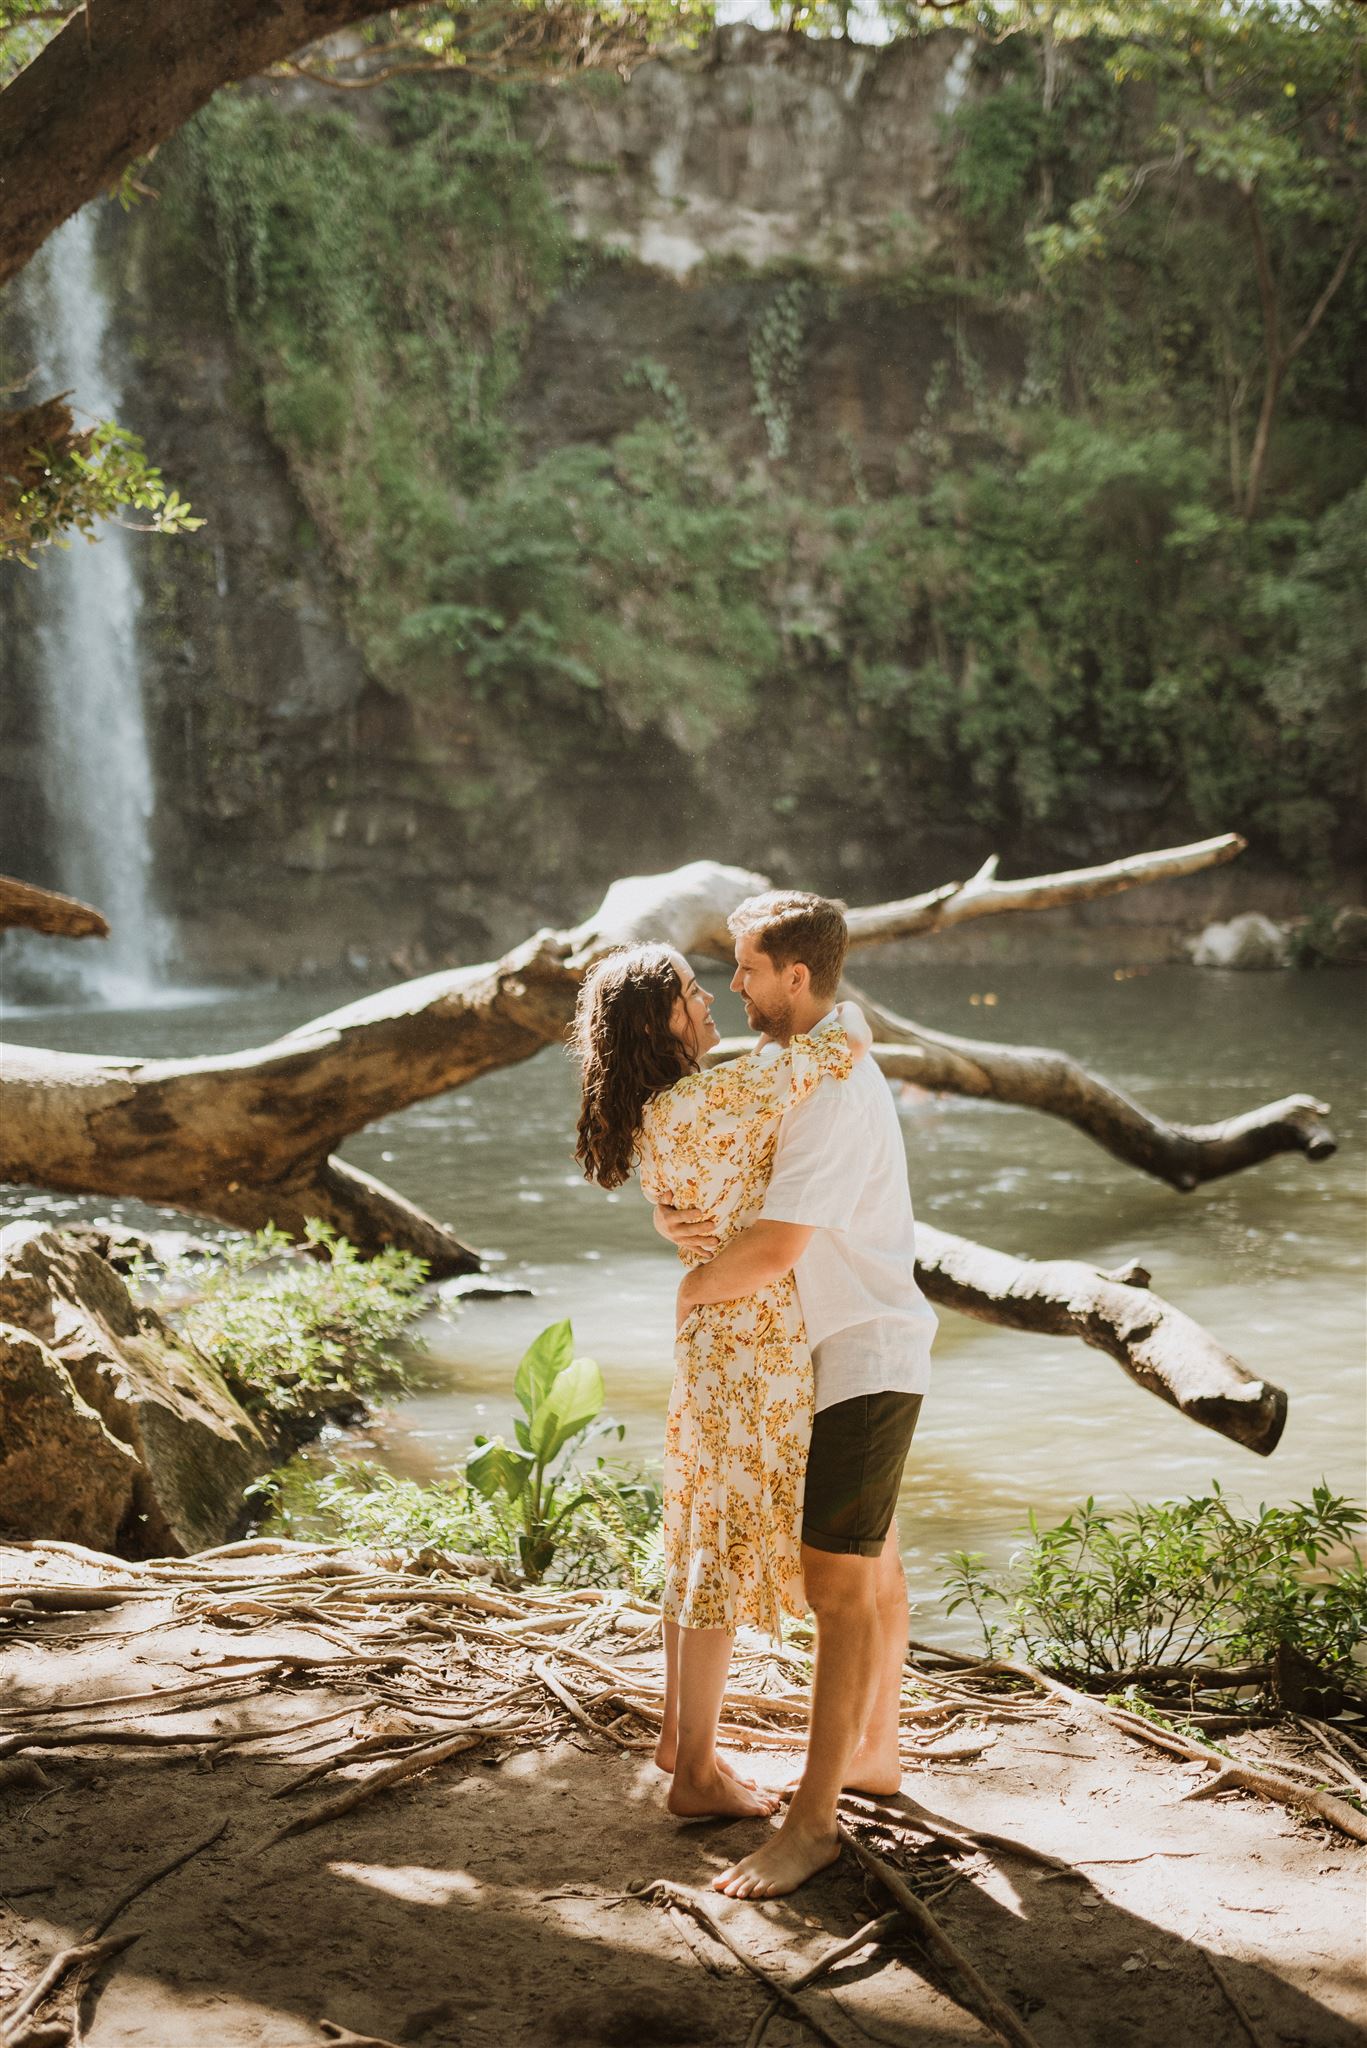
(838, 1212)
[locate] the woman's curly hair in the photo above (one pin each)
(626, 1053)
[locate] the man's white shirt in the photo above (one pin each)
(841, 1166)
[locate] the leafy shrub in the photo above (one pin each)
(295, 1337)
(1170, 1583)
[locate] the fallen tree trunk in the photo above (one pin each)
(1160, 1348)
(248, 1139)
(251, 1138)
(1034, 1077)
(23, 906)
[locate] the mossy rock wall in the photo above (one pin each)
(599, 477)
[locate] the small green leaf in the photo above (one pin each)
(547, 1355)
(575, 1397)
(493, 1468)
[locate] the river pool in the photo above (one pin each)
(1271, 1260)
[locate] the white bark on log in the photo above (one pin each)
(247, 1138)
(984, 896)
(24, 906)
(1160, 1348)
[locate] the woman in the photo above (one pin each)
(740, 1410)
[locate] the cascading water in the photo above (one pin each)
(94, 762)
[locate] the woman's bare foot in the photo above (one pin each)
(718, 1792)
(664, 1761)
(785, 1862)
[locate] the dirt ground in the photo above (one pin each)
(495, 1900)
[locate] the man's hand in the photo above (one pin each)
(684, 1304)
(688, 1230)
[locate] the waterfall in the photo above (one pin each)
(95, 765)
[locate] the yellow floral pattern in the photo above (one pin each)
(740, 1409)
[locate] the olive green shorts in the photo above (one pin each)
(854, 1472)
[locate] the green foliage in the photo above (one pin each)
(382, 285)
(1000, 146)
(776, 351)
(59, 483)
(1056, 585)
(296, 1337)
(609, 1537)
(531, 1504)
(561, 1397)
(1172, 1583)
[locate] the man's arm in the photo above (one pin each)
(752, 1259)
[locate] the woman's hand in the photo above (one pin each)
(688, 1230)
(855, 1026)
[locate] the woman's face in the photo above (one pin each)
(690, 1020)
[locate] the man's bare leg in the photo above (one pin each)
(667, 1748)
(843, 1592)
(876, 1765)
(700, 1785)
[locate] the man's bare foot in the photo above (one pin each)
(870, 1771)
(664, 1760)
(780, 1866)
(718, 1793)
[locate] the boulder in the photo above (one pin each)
(1250, 941)
(63, 1474)
(1350, 936)
(104, 1380)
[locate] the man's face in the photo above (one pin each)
(766, 989)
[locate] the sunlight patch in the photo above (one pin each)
(411, 1881)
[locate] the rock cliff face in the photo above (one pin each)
(772, 150)
(308, 814)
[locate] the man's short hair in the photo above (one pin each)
(791, 926)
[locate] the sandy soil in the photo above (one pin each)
(489, 1902)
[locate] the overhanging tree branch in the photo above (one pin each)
(119, 79)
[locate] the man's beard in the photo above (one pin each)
(776, 1021)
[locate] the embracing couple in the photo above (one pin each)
(802, 1354)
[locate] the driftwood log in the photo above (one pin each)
(251, 1138)
(32, 909)
(1160, 1348)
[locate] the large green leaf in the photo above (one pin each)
(551, 1352)
(494, 1468)
(575, 1397)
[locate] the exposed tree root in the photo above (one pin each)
(1272, 1785)
(682, 1900)
(91, 1947)
(996, 2015)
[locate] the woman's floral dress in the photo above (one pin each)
(740, 1410)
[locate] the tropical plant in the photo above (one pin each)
(561, 1397)
(610, 1535)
